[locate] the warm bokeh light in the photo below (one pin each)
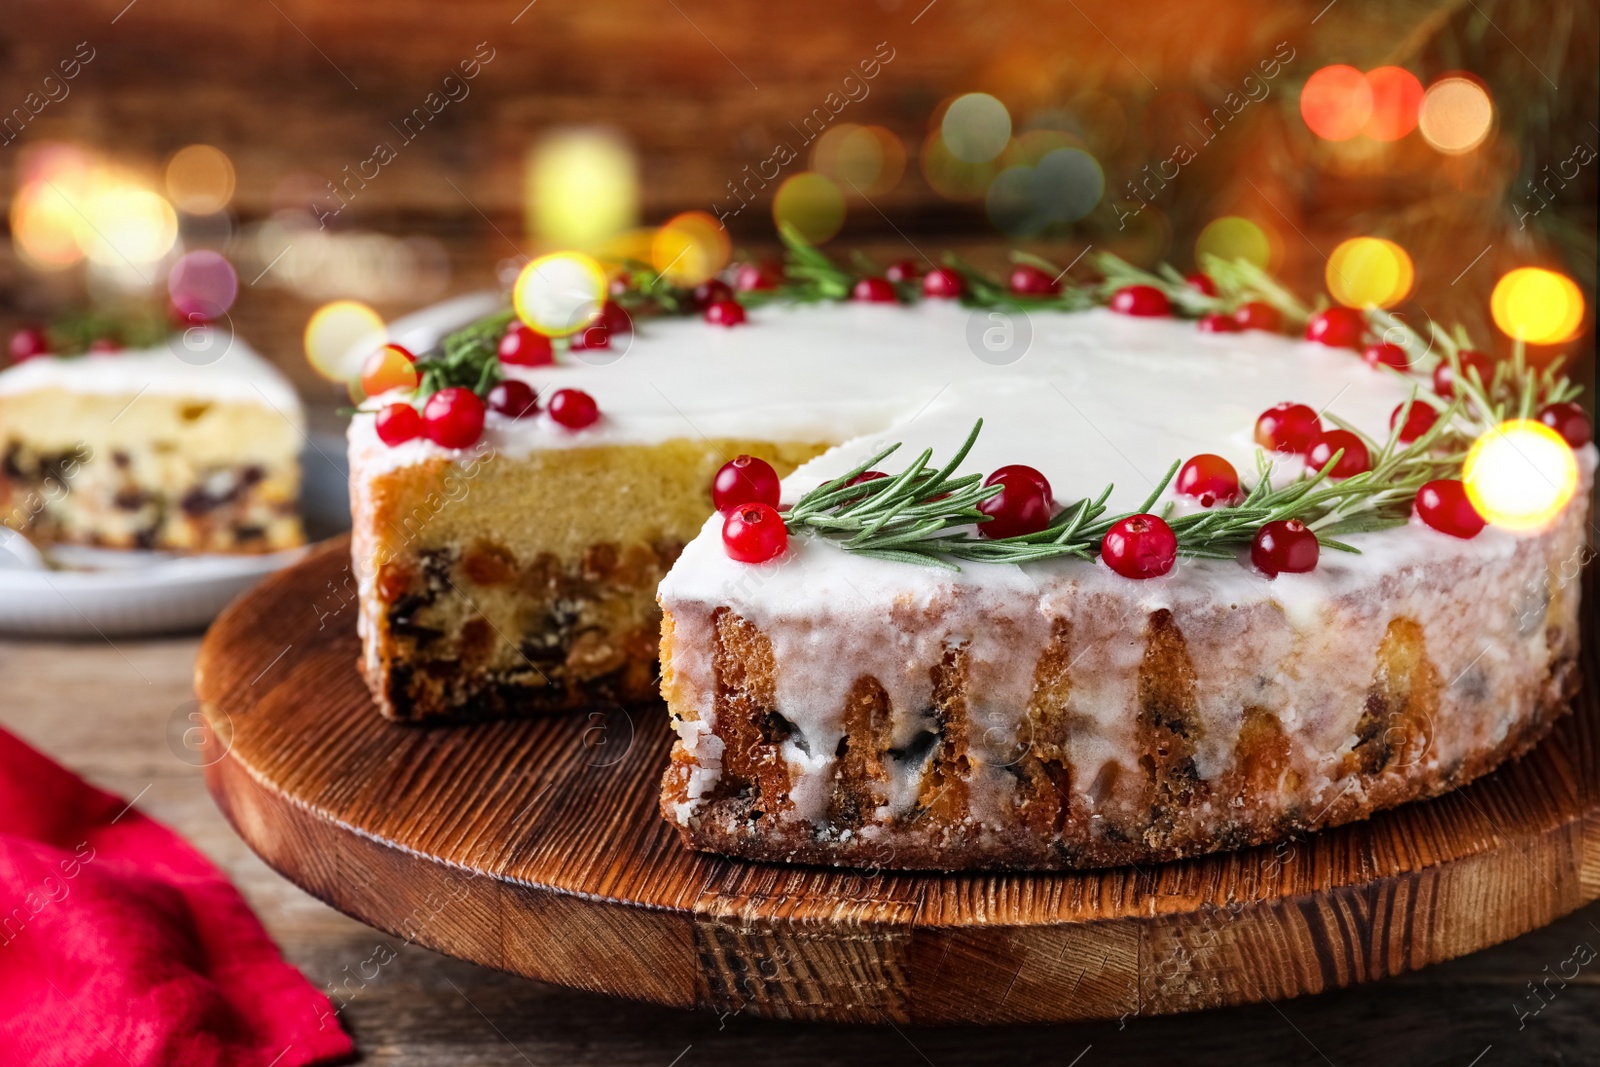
(1538, 306)
(1234, 237)
(582, 186)
(387, 368)
(949, 176)
(1336, 102)
(812, 204)
(122, 224)
(44, 227)
(690, 248)
(976, 127)
(863, 160)
(202, 284)
(1456, 115)
(560, 294)
(1369, 271)
(1396, 98)
(339, 337)
(200, 179)
(1520, 475)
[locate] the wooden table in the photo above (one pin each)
(116, 715)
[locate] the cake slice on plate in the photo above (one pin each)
(157, 448)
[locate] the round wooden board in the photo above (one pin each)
(536, 847)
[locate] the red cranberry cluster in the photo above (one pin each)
(745, 492)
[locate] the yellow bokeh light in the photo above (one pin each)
(1233, 237)
(1520, 475)
(1456, 115)
(976, 127)
(44, 227)
(1538, 306)
(340, 336)
(123, 224)
(560, 294)
(1369, 271)
(200, 179)
(864, 160)
(690, 248)
(582, 186)
(812, 204)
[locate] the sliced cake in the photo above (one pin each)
(154, 448)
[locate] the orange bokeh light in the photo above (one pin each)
(1396, 100)
(1537, 306)
(1336, 102)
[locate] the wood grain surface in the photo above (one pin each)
(534, 847)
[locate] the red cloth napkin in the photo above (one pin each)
(121, 945)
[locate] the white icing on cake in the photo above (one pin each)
(239, 375)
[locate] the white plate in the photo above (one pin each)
(109, 592)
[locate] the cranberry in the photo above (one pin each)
(709, 292)
(1200, 281)
(874, 291)
(573, 408)
(1257, 315)
(1285, 546)
(1385, 354)
(904, 271)
(1568, 420)
(1146, 301)
(390, 367)
(523, 346)
(1354, 461)
(453, 417)
(1418, 422)
(101, 346)
(1217, 322)
(28, 342)
(942, 283)
(402, 351)
(514, 399)
(1022, 506)
(1444, 505)
(397, 424)
(1209, 479)
(726, 313)
(754, 533)
(612, 320)
(1287, 428)
(1444, 375)
(621, 283)
(744, 480)
(1140, 546)
(758, 277)
(861, 479)
(1337, 327)
(1028, 280)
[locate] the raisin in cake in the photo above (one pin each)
(142, 449)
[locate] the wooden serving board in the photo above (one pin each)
(536, 847)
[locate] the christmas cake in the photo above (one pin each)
(162, 447)
(1163, 580)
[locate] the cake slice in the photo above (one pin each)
(144, 449)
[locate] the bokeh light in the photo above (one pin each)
(1234, 237)
(340, 335)
(1396, 98)
(200, 179)
(976, 127)
(949, 176)
(202, 284)
(560, 294)
(123, 224)
(812, 204)
(1456, 115)
(1520, 475)
(582, 186)
(1538, 306)
(1061, 188)
(1369, 271)
(44, 227)
(862, 160)
(690, 248)
(1336, 102)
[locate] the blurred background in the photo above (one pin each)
(270, 157)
